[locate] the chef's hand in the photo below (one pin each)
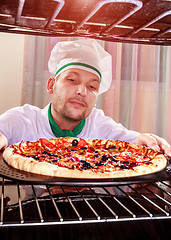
(155, 142)
(3, 142)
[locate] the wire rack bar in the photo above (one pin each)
(88, 204)
(101, 200)
(143, 208)
(38, 206)
(20, 205)
(55, 205)
(19, 10)
(167, 13)
(150, 201)
(121, 204)
(2, 202)
(158, 196)
(138, 5)
(72, 205)
(56, 12)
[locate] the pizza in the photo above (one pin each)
(84, 158)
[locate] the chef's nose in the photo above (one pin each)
(81, 90)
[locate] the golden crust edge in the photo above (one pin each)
(48, 169)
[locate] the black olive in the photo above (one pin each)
(75, 142)
(53, 161)
(124, 166)
(36, 157)
(99, 163)
(86, 165)
(126, 162)
(49, 154)
(44, 152)
(132, 165)
(111, 147)
(114, 159)
(104, 158)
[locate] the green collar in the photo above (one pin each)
(64, 133)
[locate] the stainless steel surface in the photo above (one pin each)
(135, 21)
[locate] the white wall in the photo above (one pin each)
(11, 70)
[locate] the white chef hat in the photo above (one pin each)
(86, 54)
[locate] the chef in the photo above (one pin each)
(82, 70)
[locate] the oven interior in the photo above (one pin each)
(99, 212)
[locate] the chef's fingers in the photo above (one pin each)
(155, 142)
(3, 141)
(163, 144)
(147, 140)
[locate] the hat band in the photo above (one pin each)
(78, 64)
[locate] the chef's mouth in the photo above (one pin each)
(77, 103)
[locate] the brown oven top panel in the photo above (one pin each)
(134, 21)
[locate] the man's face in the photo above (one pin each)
(75, 93)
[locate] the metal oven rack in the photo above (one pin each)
(63, 205)
(140, 203)
(135, 21)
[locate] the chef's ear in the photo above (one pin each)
(50, 85)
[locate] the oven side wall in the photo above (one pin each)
(11, 70)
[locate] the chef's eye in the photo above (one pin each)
(92, 87)
(71, 79)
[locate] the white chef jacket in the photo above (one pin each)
(29, 123)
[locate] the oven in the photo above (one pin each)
(34, 207)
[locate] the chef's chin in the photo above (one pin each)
(74, 117)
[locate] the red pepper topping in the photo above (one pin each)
(20, 146)
(47, 144)
(82, 143)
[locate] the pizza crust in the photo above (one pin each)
(31, 165)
